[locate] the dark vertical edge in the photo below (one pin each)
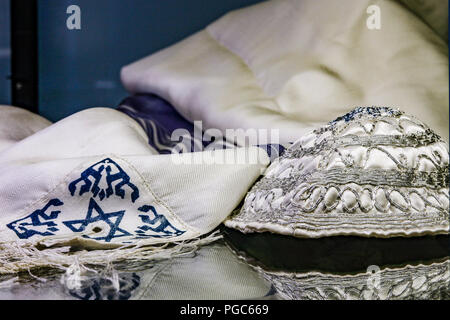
(24, 54)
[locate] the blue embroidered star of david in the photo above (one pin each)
(96, 214)
(37, 223)
(103, 179)
(108, 172)
(158, 224)
(102, 288)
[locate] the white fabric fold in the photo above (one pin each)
(16, 124)
(294, 65)
(93, 177)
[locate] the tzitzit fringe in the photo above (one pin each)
(18, 257)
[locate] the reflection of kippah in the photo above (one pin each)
(418, 282)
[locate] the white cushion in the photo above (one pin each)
(293, 64)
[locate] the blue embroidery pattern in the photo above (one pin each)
(102, 179)
(114, 173)
(95, 214)
(102, 289)
(158, 224)
(38, 222)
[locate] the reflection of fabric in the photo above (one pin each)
(104, 289)
(213, 272)
(429, 282)
(290, 65)
(372, 172)
(16, 124)
(168, 132)
(93, 177)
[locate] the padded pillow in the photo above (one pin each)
(291, 65)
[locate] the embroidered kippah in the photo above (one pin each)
(374, 172)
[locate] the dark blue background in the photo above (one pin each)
(80, 68)
(5, 68)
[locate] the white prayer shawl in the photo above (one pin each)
(294, 65)
(16, 124)
(92, 179)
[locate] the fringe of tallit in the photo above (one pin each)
(16, 257)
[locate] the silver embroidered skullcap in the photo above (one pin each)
(374, 172)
